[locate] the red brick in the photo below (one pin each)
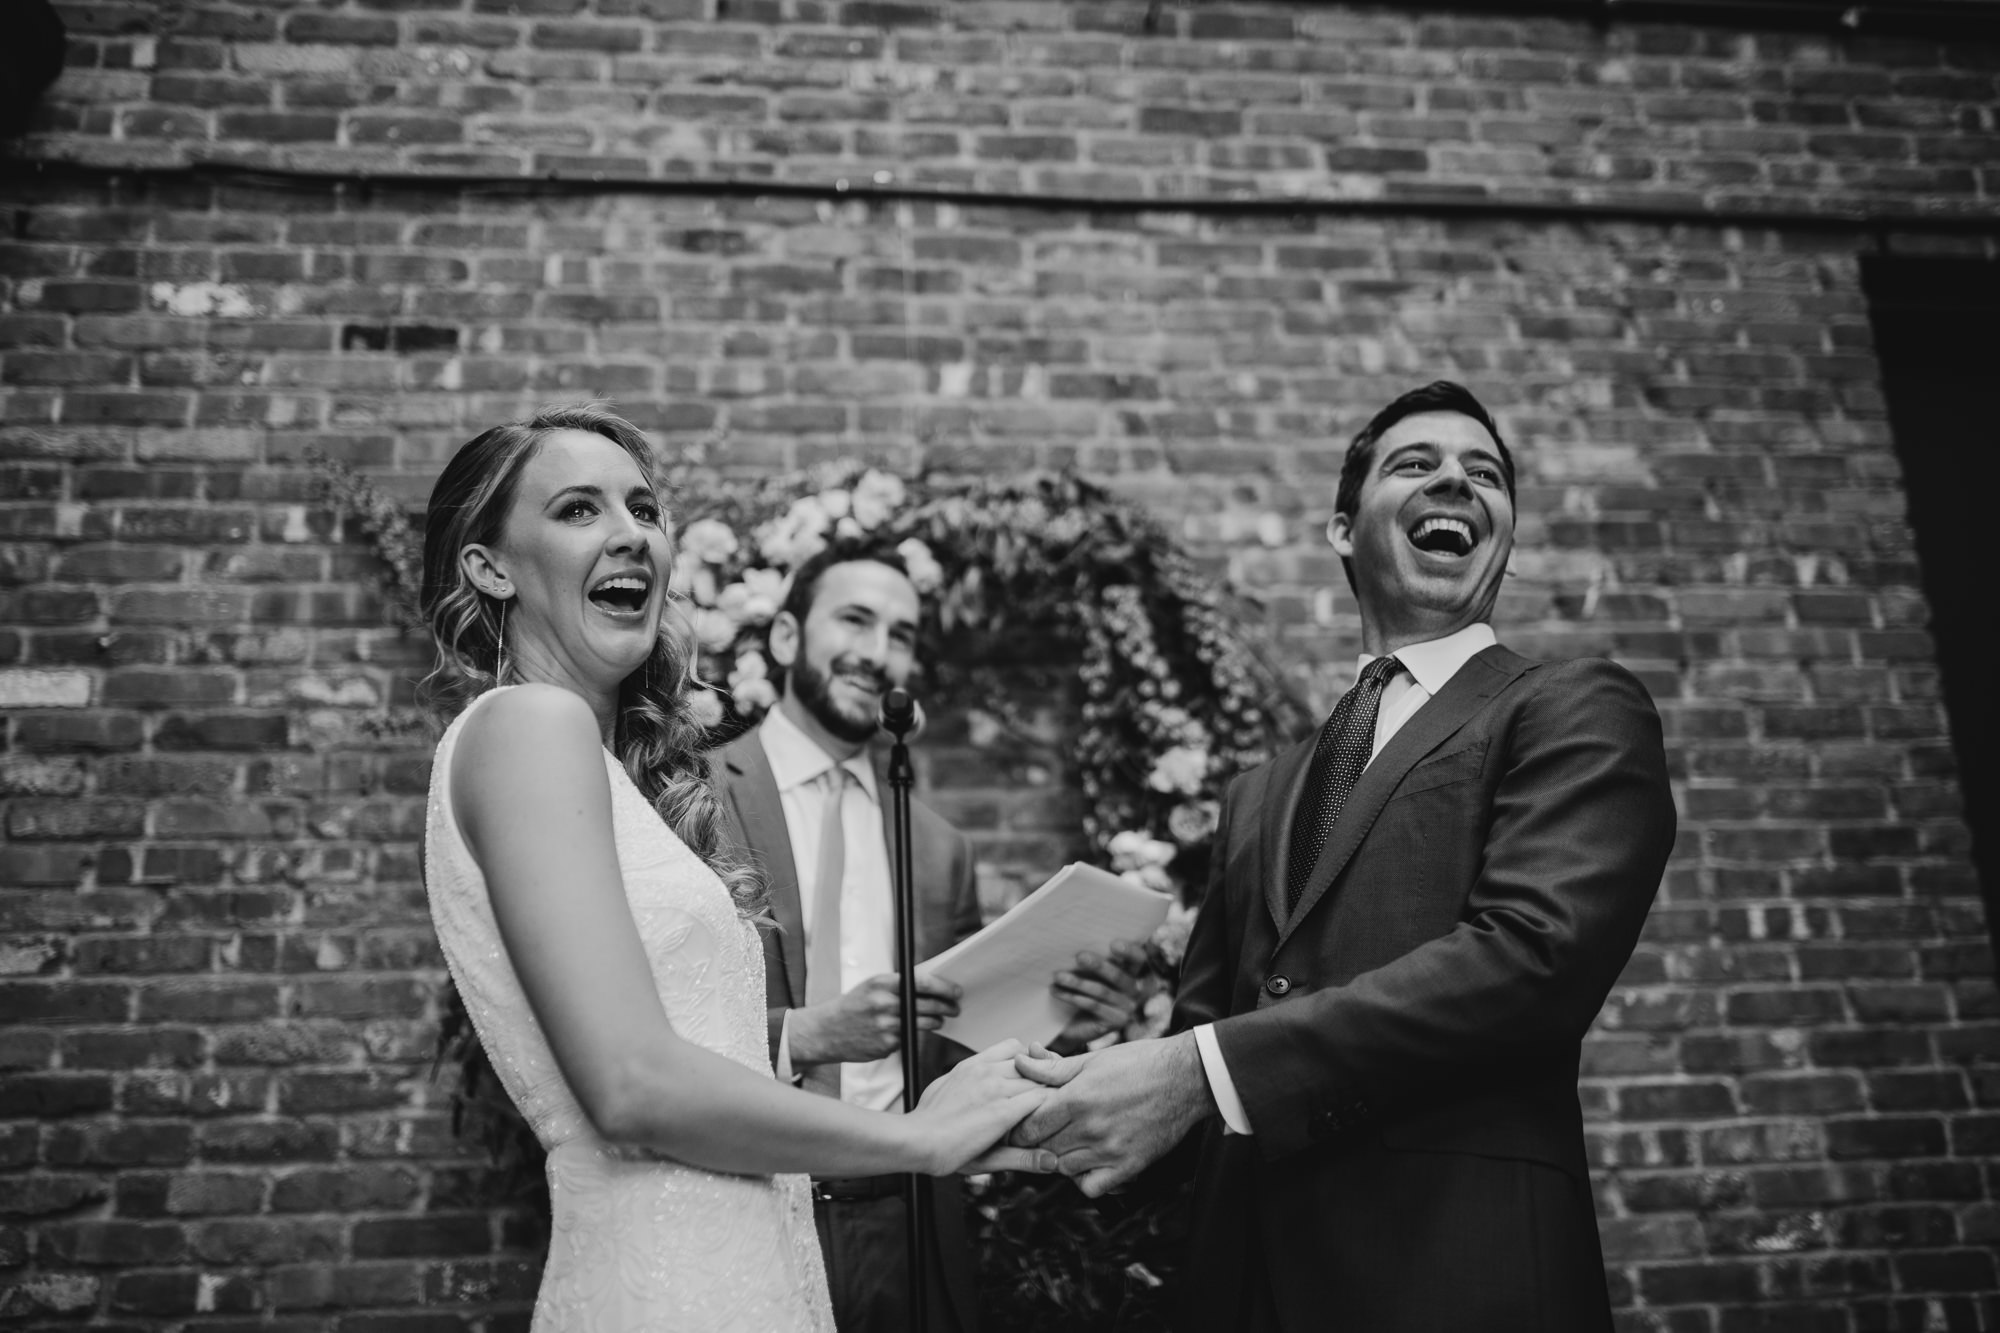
(43, 1195)
(132, 1048)
(268, 1141)
(1885, 1137)
(440, 1236)
(168, 1293)
(319, 1093)
(207, 1000)
(346, 1189)
(128, 1144)
(189, 1193)
(265, 1241)
(278, 126)
(110, 1243)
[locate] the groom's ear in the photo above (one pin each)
(1340, 535)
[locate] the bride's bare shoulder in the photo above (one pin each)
(530, 736)
(547, 710)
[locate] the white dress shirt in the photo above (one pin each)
(1426, 668)
(867, 909)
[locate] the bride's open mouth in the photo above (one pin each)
(622, 596)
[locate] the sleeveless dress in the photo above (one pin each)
(637, 1241)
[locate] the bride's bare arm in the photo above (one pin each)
(534, 801)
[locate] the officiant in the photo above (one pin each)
(807, 794)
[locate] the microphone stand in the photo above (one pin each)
(898, 717)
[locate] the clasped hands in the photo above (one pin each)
(1109, 1114)
(1100, 1117)
(1091, 1116)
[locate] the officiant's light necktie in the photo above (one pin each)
(823, 940)
(823, 945)
(1345, 743)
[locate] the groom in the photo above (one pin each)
(1411, 920)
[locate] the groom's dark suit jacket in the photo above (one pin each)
(947, 911)
(1405, 1043)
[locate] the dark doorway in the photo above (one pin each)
(1937, 332)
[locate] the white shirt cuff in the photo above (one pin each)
(1219, 1082)
(783, 1071)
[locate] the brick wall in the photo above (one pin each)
(215, 969)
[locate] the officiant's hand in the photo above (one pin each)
(1115, 1111)
(867, 1022)
(1103, 991)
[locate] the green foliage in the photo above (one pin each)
(1052, 1261)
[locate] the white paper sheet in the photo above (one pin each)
(1007, 968)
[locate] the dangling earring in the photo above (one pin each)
(500, 649)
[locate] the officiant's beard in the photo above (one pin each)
(815, 690)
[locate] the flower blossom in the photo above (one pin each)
(1194, 821)
(709, 540)
(1132, 850)
(715, 628)
(705, 708)
(1172, 936)
(767, 588)
(797, 535)
(756, 599)
(749, 666)
(877, 496)
(926, 574)
(1180, 769)
(835, 502)
(1155, 878)
(754, 697)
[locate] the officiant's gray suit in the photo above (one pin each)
(947, 911)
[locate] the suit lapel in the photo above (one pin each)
(1433, 724)
(1283, 782)
(753, 787)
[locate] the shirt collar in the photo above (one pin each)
(1434, 663)
(797, 759)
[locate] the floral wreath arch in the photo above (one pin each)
(1174, 701)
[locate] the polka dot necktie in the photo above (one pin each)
(1345, 743)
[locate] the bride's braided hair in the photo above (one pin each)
(656, 737)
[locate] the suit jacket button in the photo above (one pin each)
(1278, 985)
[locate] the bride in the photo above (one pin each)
(601, 934)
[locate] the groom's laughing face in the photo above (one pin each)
(1433, 524)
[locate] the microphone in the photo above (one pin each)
(901, 714)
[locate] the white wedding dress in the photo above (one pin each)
(637, 1242)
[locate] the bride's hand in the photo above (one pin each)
(964, 1114)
